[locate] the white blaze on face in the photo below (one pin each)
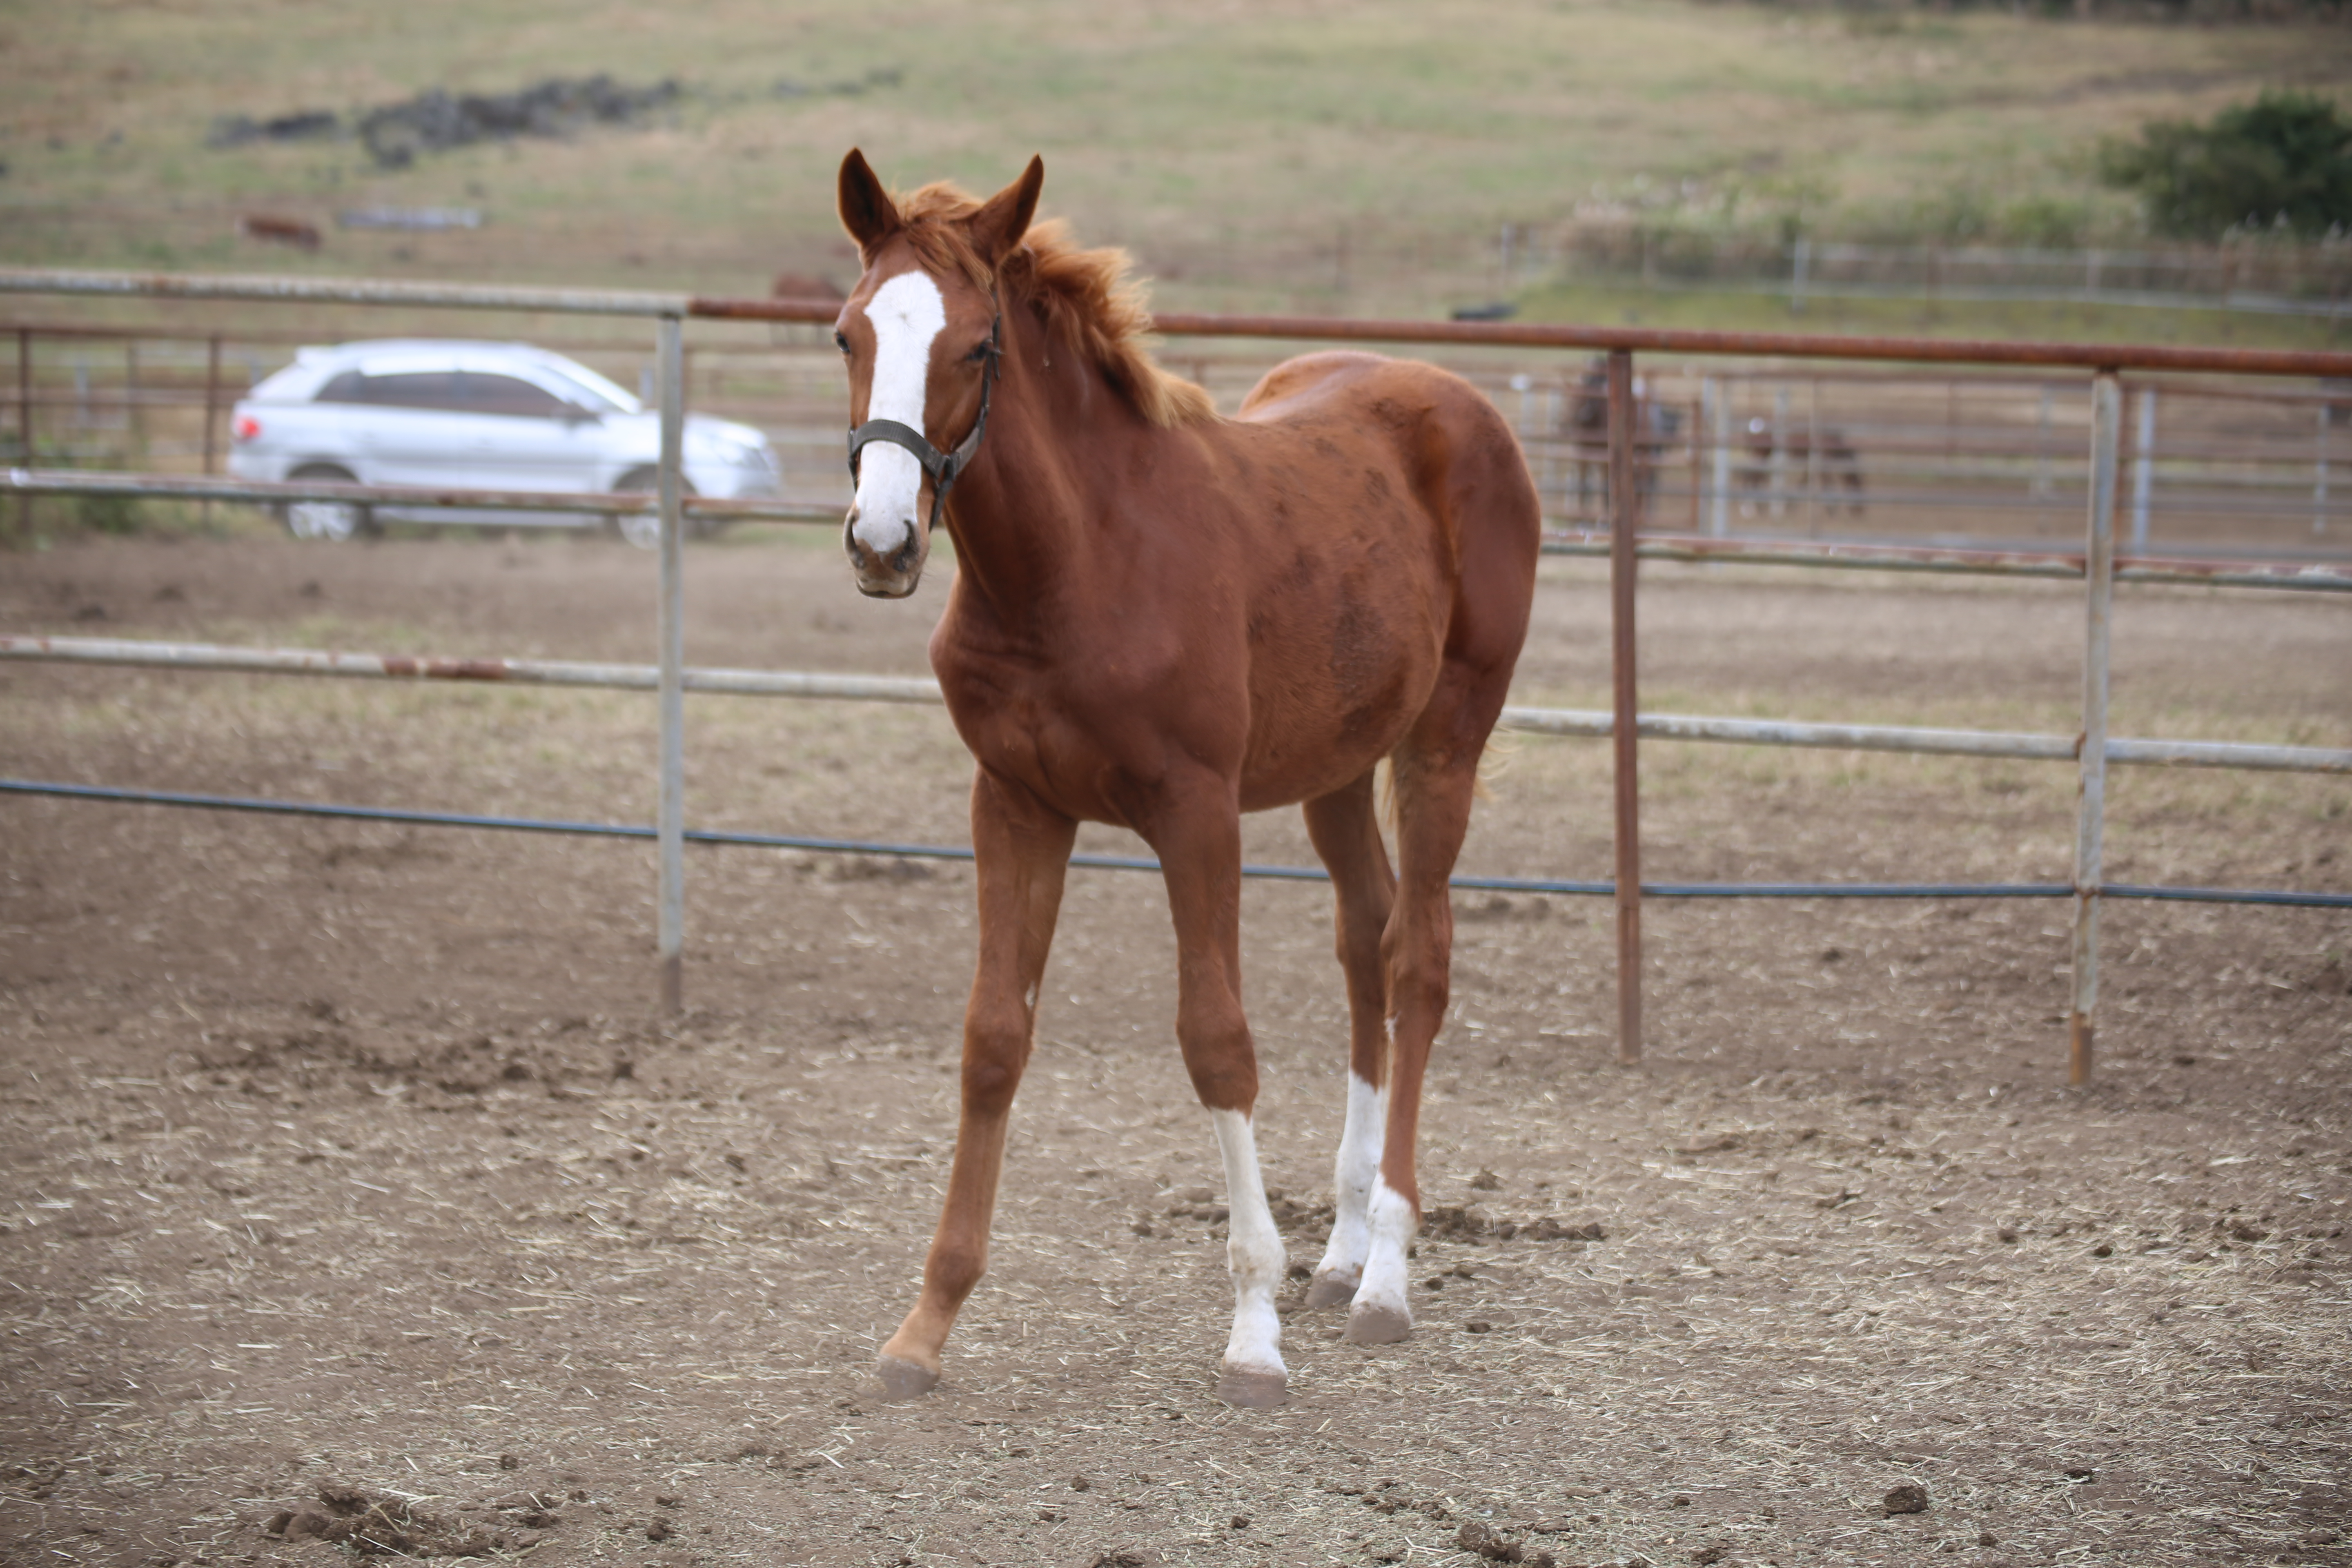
(908, 314)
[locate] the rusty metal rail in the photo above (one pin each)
(655, 304)
(2097, 567)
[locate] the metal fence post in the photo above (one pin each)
(670, 819)
(1778, 462)
(24, 421)
(134, 417)
(1719, 515)
(2099, 578)
(2319, 479)
(1625, 519)
(2143, 467)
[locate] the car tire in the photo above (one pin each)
(643, 529)
(332, 522)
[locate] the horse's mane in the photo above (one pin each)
(1088, 298)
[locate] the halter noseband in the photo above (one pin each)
(944, 468)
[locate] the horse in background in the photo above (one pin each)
(1585, 424)
(1765, 471)
(1162, 618)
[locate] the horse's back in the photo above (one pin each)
(1461, 460)
(1410, 551)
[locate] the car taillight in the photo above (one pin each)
(245, 427)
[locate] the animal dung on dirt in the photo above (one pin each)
(1908, 1498)
(1300, 593)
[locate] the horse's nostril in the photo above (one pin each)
(903, 558)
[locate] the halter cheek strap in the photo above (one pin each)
(944, 468)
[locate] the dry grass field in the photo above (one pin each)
(1233, 146)
(350, 1175)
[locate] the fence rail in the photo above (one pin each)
(1794, 446)
(659, 305)
(1467, 883)
(180, 487)
(2097, 567)
(1586, 723)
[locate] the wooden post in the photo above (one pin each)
(669, 381)
(211, 405)
(2099, 575)
(212, 415)
(134, 420)
(1698, 471)
(1625, 519)
(24, 421)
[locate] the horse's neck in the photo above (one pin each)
(1058, 434)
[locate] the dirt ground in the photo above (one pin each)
(356, 1202)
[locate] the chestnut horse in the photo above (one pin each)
(1162, 618)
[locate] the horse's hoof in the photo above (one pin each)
(904, 1379)
(1330, 1291)
(1370, 1324)
(1247, 1390)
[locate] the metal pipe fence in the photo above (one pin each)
(1465, 882)
(1572, 722)
(2097, 566)
(1884, 454)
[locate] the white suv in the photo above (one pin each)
(473, 416)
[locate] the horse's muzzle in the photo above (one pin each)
(891, 572)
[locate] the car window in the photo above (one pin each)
(592, 390)
(424, 389)
(349, 387)
(482, 393)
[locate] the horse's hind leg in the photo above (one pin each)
(1434, 785)
(1345, 828)
(1196, 830)
(1023, 849)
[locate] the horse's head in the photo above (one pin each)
(922, 341)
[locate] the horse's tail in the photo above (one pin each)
(1502, 746)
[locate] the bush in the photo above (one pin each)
(2284, 160)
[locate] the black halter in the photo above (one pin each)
(944, 468)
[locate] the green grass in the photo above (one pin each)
(1230, 151)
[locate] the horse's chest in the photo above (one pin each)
(1019, 722)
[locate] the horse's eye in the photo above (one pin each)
(841, 342)
(978, 354)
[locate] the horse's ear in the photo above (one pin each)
(867, 209)
(999, 224)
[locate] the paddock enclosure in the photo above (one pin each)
(354, 1174)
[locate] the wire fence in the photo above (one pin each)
(1627, 432)
(1824, 452)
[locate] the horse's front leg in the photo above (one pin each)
(1022, 848)
(1200, 847)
